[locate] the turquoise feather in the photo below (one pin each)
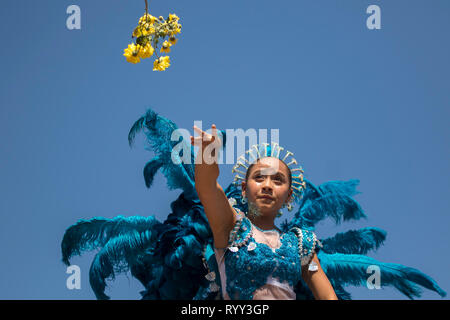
(96, 232)
(150, 169)
(330, 200)
(158, 131)
(351, 269)
(117, 256)
(355, 241)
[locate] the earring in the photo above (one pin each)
(279, 214)
(243, 200)
(289, 206)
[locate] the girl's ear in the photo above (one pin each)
(244, 188)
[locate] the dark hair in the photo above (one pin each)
(251, 166)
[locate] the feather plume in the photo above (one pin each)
(117, 256)
(96, 232)
(150, 170)
(355, 241)
(158, 131)
(351, 269)
(345, 187)
(331, 199)
(335, 205)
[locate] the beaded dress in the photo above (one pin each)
(264, 264)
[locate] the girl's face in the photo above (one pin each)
(267, 187)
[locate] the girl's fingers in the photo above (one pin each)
(217, 139)
(198, 130)
(202, 134)
(205, 136)
(213, 133)
(197, 141)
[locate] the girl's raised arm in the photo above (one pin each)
(221, 215)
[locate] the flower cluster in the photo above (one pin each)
(150, 33)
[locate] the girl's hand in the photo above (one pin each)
(209, 144)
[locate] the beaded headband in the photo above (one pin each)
(263, 150)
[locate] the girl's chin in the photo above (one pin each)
(266, 208)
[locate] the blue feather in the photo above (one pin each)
(351, 269)
(158, 131)
(331, 199)
(150, 170)
(335, 205)
(355, 241)
(345, 187)
(96, 232)
(116, 256)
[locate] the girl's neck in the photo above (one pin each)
(263, 223)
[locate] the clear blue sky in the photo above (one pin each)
(350, 102)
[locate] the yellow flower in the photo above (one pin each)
(166, 47)
(146, 51)
(173, 17)
(137, 32)
(132, 53)
(177, 29)
(147, 29)
(147, 18)
(173, 40)
(161, 64)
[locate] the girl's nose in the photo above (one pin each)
(267, 185)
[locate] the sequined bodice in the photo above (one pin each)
(249, 267)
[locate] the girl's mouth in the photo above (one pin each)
(266, 198)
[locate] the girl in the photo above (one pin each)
(235, 246)
(263, 263)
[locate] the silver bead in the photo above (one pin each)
(211, 276)
(313, 266)
(213, 287)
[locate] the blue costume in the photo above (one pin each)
(162, 255)
(251, 265)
